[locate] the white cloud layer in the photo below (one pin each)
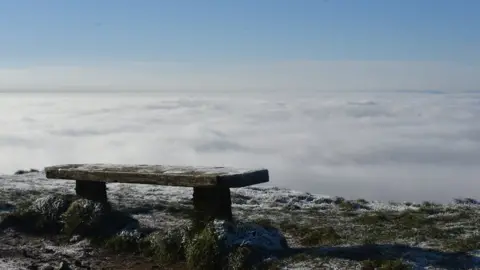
(377, 146)
(299, 76)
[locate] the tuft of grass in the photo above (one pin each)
(457, 216)
(301, 257)
(373, 218)
(385, 265)
(430, 208)
(320, 236)
(466, 201)
(393, 203)
(387, 226)
(245, 258)
(362, 201)
(466, 244)
(268, 265)
(287, 225)
(179, 210)
(94, 219)
(348, 206)
(428, 204)
(370, 240)
(167, 248)
(264, 222)
(194, 247)
(202, 251)
(338, 200)
(122, 244)
(238, 259)
(351, 206)
(79, 218)
(433, 231)
(412, 219)
(26, 220)
(325, 200)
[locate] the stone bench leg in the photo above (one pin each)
(212, 203)
(91, 190)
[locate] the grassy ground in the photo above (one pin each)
(332, 233)
(430, 234)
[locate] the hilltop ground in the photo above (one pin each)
(322, 232)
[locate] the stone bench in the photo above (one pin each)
(211, 185)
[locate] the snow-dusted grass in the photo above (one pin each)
(323, 231)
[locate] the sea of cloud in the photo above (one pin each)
(385, 146)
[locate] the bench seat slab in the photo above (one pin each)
(185, 176)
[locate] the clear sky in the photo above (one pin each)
(304, 44)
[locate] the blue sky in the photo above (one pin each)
(90, 33)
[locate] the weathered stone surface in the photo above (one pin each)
(160, 175)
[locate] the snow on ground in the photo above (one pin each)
(250, 203)
(8, 264)
(248, 198)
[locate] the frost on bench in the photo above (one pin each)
(186, 176)
(211, 185)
